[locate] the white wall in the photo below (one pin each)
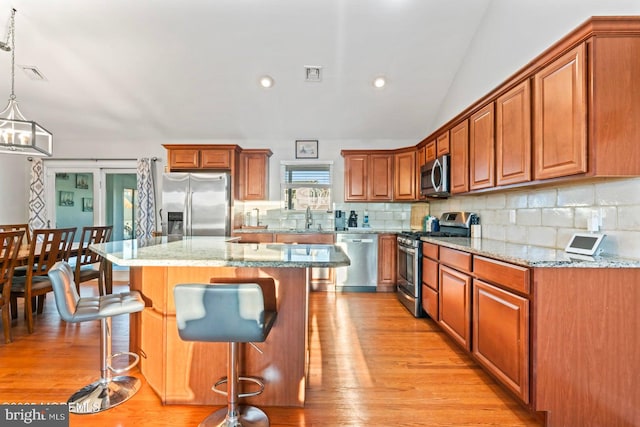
(14, 189)
(513, 33)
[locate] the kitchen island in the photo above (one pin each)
(183, 372)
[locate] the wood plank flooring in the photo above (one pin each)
(372, 364)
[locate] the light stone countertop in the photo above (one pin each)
(313, 230)
(219, 252)
(531, 256)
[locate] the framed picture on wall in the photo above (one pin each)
(66, 198)
(306, 149)
(82, 181)
(87, 204)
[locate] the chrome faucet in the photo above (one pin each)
(307, 218)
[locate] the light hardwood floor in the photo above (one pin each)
(372, 364)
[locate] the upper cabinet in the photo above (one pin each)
(442, 144)
(368, 176)
(202, 156)
(248, 169)
(560, 116)
(513, 135)
(481, 149)
(254, 174)
(405, 175)
(460, 158)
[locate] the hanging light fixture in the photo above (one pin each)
(17, 134)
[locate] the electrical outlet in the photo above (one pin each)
(512, 216)
(593, 224)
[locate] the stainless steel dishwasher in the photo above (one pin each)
(362, 274)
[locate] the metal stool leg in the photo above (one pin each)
(108, 391)
(235, 415)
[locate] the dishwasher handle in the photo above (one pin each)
(358, 241)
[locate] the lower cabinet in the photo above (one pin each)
(455, 305)
(501, 335)
(430, 280)
(387, 258)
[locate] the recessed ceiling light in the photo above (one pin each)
(379, 82)
(266, 81)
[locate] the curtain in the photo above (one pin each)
(146, 206)
(37, 207)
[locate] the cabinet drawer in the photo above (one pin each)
(255, 237)
(506, 275)
(456, 259)
(216, 159)
(430, 302)
(430, 273)
(430, 250)
(310, 238)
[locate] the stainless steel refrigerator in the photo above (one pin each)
(196, 204)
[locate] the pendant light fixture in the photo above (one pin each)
(17, 134)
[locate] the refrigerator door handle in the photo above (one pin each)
(188, 231)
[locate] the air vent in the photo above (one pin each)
(32, 72)
(313, 73)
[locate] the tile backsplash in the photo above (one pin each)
(386, 216)
(549, 216)
(545, 217)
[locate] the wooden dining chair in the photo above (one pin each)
(18, 227)
(48, 246)
(9, 247)
(26, 239)
(87, 260)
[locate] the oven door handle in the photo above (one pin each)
(411, 251)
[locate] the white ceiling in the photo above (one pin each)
(188, 70)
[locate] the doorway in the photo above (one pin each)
(84, 193)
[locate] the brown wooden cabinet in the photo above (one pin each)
(193, 157)
(387, 258)
(254, 174)
(254, 237)
(216, 158)
(455, 305)
(405, 176)
(430, 279)
(501, 336)
(560, 116)
(513, 135)
(442, 144)
(430, 153)
(460, 158)
(481, 148)
(367, 176)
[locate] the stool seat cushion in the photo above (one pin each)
(73, 309)
(222, 313)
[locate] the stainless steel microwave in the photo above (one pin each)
(434, 177)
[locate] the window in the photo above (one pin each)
(306, 184)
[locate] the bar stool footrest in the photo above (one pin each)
(103, 394)
(136, 360)
(240, 395)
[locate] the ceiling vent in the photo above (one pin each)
(32, 72)
(312, 73)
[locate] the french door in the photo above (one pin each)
(84, 193)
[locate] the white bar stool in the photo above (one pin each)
(108, 391)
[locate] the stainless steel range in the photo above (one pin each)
(409, 281)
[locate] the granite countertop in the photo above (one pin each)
(530, 255)
(219, 252)
(314, 231)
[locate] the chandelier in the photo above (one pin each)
(17, 134)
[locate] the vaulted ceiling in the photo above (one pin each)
(189, 70)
